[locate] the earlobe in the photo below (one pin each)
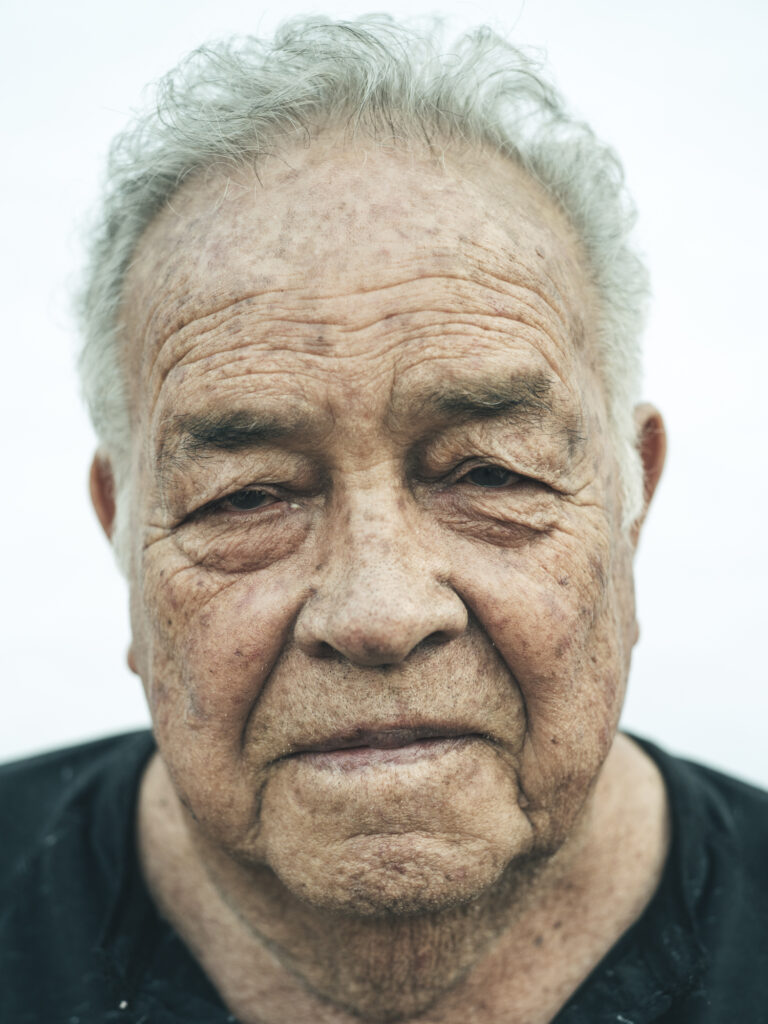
(131, 660)
(652, 446)
(102, 487)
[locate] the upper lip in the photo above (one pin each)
(383, 737)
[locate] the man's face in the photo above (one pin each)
(381, 603)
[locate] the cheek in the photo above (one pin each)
(207, 649)
(557, 617)
(209, 643)
(543, 607)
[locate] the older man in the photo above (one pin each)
(361, 352)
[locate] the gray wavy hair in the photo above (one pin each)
(236, 101)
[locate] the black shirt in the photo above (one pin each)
(81, 942)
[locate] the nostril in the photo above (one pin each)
(436, 639)
(325, 650)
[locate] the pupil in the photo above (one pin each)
(489, 476)
(247, 499)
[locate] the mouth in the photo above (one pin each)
(365, 747)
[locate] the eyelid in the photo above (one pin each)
(250, 490)
(218, 504)
(477, 462)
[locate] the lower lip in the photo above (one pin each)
(350, 758)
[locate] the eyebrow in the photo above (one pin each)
(199, 435)
(517, 397)
(523, 399)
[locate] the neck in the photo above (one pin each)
(514, 955)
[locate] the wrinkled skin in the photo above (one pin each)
(425, 530)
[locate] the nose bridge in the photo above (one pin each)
(380, 592)
(376, 537)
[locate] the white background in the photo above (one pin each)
(678, 86)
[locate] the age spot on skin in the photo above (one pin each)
(598, 571)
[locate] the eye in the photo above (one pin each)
(490, 476)
(247, 500)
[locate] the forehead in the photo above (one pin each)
(343, 252)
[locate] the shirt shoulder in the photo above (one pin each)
(40, 793)
(67, 826)
(735, 808)
(720, 844)
(738, 918)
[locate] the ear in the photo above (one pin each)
(102, 486)
(652, 446)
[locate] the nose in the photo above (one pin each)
(380, 596)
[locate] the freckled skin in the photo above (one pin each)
(378, 584)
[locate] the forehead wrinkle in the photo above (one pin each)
(188, 331)
(487, 263)
(468, 264)
(505, 272)
(535, 300)
(467, 325)
(487, 271)
(469, 313)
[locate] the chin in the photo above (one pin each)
(400, 875)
